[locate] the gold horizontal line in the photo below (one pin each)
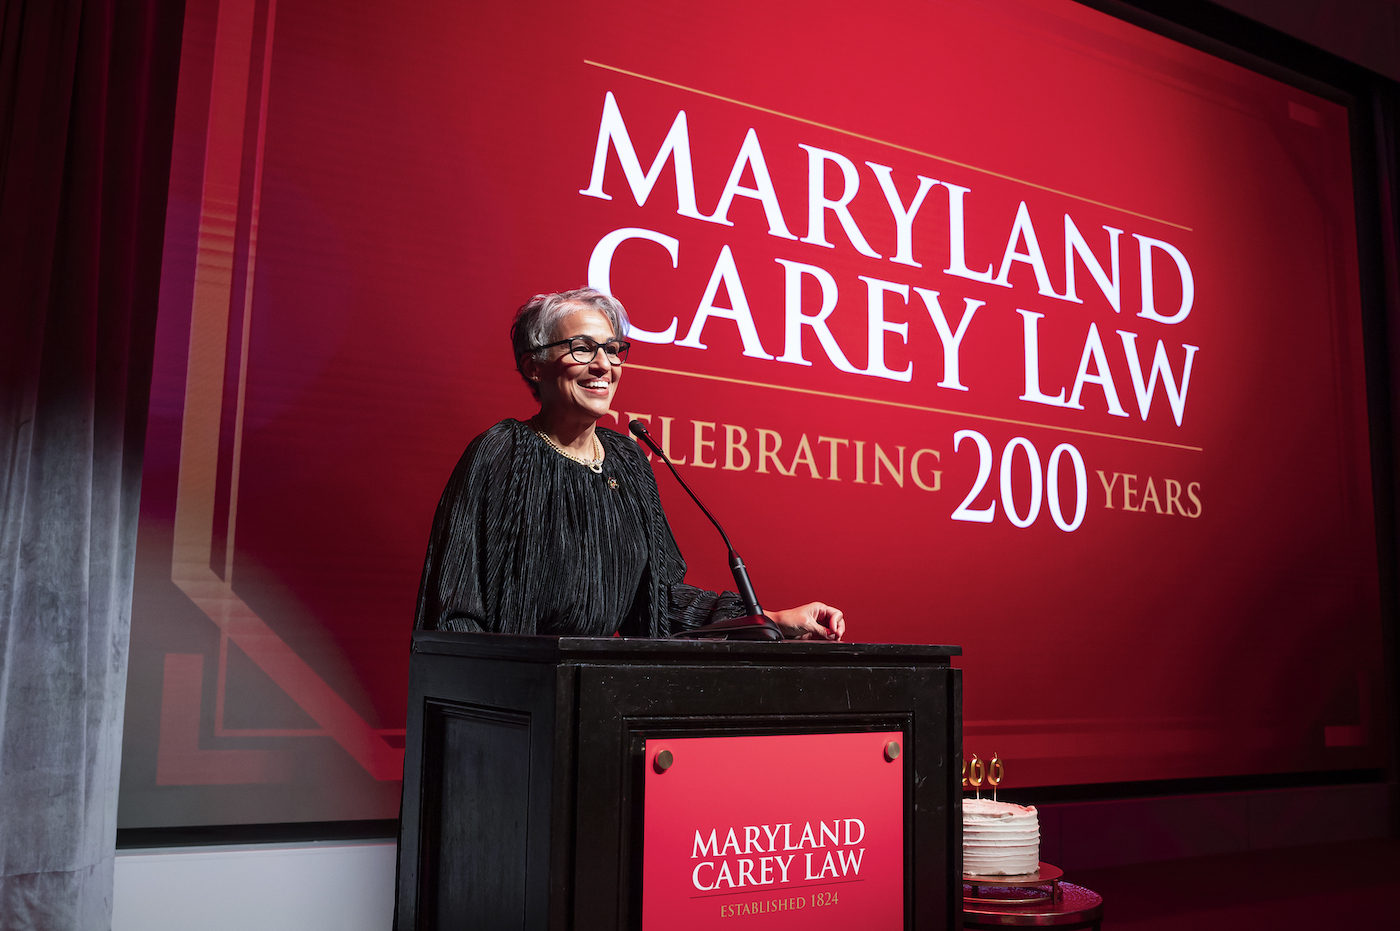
(884, 142)
(912, 407)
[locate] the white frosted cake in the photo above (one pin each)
(999, 838)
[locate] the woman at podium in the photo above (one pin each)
(554, 525)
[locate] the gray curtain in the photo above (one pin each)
(87, 92)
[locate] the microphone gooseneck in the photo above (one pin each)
(736, 565)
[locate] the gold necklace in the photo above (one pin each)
(595, 464)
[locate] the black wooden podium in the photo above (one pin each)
(524, 763)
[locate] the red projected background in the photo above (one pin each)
(1011, 326)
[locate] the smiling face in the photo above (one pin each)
(576, 390)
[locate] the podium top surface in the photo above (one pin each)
(541, 649)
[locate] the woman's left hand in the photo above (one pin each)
(812, 621)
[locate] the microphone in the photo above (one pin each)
(754, 625)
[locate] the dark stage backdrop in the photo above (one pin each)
(1008, 325)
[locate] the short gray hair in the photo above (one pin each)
(538, 318)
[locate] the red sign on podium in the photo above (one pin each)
(787, 830)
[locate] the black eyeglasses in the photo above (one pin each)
(584, 349)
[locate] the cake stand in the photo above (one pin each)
(1021, 889)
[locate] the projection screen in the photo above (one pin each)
(1010, 325)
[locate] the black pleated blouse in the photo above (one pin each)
(526, 541)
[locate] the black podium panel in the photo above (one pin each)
(524, 764)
